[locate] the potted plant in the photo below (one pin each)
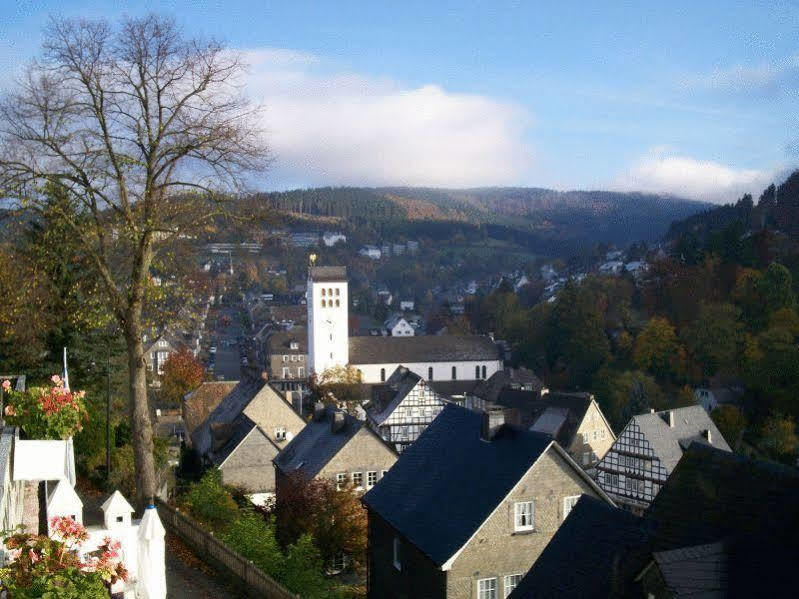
(46, 413)
(42, 566)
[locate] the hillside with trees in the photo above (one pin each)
(724, 314)
(544, 220)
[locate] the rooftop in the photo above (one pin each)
(317, 443)
(328, 273)
(444, 486)
(432, 348)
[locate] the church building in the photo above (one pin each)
(434, 358)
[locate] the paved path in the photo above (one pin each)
(189, 578)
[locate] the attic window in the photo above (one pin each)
(119, 518)
(523, 516)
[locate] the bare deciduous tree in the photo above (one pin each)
(148, 133)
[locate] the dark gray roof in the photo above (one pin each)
(508, 378)
(589, 556)
(279, 342)
(444, 486)
(452, 388)
(699, 571)
(669, 442)
(557, 413)
(226, 412)
(712, 497)
(240, 428)
(426, 348)
(328, 273)
(316, 444)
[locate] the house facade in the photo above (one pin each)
(398, 327)
(242, 435)
(337, 447)
(468, 508)
(648, 449)
(286, 354)
(401, 409)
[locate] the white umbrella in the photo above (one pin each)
(151, 578)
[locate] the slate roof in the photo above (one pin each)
(240, 428)
(509, 378)
(452, 388)
(723, 525)
(444, 486)
(226, 412)
(669, 442)
(198, 404)
(425, 348)
(557, 413)
(279, 342)
(699, 571)
(316, 444)
(328, 273)
(592, 555)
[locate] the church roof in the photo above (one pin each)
(427, 348)
(320, 274)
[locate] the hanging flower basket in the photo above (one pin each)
(49, 413)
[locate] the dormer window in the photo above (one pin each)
(280, 433)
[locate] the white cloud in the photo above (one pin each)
(691, 178)
(748, 77)
(340, 128)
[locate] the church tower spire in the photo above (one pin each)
(328, 315)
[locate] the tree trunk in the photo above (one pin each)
(139, 409)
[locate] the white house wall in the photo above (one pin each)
(442, 371)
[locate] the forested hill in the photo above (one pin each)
(777, 209)
(545, 219)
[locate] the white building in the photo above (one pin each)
(407, 305)
(371, 251)
(397, 326)
(331, 238)
(445, 357)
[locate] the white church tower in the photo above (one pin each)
(328, 315)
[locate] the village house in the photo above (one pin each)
(397, 326)
(245, 432)
(402, 408)
(723, 525)
(337, 447)
(468, 508)
(648, 449)
(286, 354)
(198, 404)
(574, 420)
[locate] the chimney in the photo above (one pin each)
(706, 434)
(651, 410)
(493, 419)
(337, 423)
(491, 335)
(668, 417)
(318, 411)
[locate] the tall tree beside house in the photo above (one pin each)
(334, 519)
(182, 373)
(146, 134)
(658, 350)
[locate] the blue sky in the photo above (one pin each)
(695, 98)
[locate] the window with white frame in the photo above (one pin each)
(511, 582)
(586, 458)
(280, 433)
(286, 372)
(300, 371)
(357, 480)
(523, 515)
(568, 503)
(371, 479)
(397, 553)
(285, 358)
(487, 588)
(341, 480)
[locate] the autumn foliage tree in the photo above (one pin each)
(182, 373)
(335, 519)
(147, 136)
